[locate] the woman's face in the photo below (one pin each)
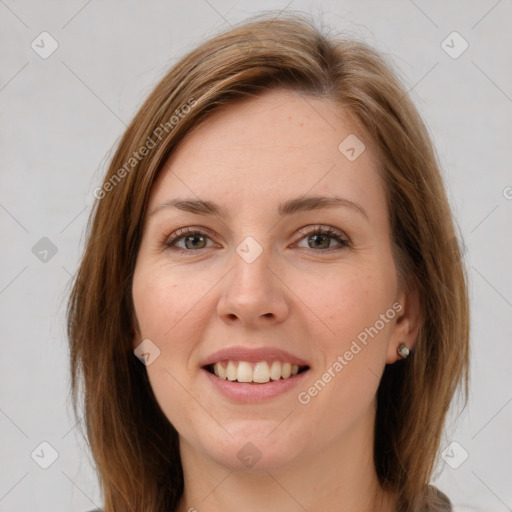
(305, 319)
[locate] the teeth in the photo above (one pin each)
(260, 372)
(231, 370)
(221, 371)
(244, 373)
(275, 370)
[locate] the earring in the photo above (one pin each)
(402, 350)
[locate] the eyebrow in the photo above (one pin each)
(290, 207)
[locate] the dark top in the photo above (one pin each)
(445, 506)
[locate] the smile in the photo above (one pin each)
(260, 372)
(242, 374)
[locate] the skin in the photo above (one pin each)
(248, 159)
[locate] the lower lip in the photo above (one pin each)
(247, 392)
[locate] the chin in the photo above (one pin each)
(256, 448)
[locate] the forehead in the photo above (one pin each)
(273, 146)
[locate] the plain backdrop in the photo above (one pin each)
(62, 115)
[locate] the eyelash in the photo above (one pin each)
(170, 242)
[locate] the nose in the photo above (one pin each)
(253, 294)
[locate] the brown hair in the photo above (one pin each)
(133, 444)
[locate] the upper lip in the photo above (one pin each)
(253, 355)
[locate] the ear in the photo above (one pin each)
(407, 322)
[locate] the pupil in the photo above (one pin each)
(316, 237)
(193, 237)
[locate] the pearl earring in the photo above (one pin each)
(402, 350)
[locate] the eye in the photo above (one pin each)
(319, 239)
(193, 239)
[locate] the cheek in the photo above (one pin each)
(348, 301)
(167, 303)
(185, 410)
(356, 305)
(165, 298)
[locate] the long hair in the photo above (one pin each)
(134, 446)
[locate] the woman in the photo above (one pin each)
(273, 242)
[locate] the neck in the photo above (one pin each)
(339, 477)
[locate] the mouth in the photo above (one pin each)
(260, 372)
(241, 374)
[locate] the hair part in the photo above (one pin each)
(133, 444)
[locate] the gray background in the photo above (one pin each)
(60, 118)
